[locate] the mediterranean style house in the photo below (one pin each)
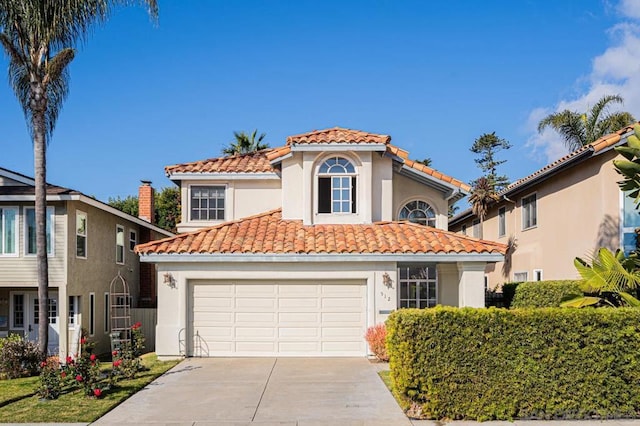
(88, 244)
(567, 209)
(296, 250)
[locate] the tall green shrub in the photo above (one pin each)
(544, 294)
(550, 363)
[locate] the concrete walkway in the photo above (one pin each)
(264, 391)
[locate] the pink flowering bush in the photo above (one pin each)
(376, 338)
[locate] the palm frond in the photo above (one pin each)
(569, 124)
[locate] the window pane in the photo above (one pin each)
(9, 242)
(81, 246)
(413, 290)
(424, 291)
(629, 242)
(18, 310)
(345, 206)
(31, 230)
(336, 207)
(631, 217)
(336, 194)
(404, 291)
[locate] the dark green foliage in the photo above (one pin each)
(509, 292)
(487, 146)
(18, 357)
(167, 203)
(482, 364)
(544, 294)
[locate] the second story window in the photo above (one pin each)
(30, 230)
(81, 234)
(529, 211)
(8, 231)
(119, 244)
(475, 226)
(418, 212)
(502, 222)
(207, 202)
(337, 186)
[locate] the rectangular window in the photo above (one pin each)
(529, 212)
(30, 230)
(18, 311)
(81, 234)
(337, 194)
(52, 314)
(119, 244)
(418, 286)
(207, 202)
(92, 314)
(464, 229)
(133, 239)
(502, 222)
(106, 312)
(72, 309)
(8, 231)
(519, 277)
(537, 274)
(630, 221)
(476, 228)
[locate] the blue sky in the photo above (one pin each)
(434, 75)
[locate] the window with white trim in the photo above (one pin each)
(30, 230)
(17, 315)
(73, 309)
(207, 202)
(537, 274)
(417, 286)
(92, 314)
(120, 244)
(502, 222)
(81, 234)
(9, 231)
(475, 224)
(52, 315)
(529, 212)
(337, 181)
(420, 212)
(520, 277)
(630, 221)
(133, 239)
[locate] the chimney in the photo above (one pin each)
(146, 205)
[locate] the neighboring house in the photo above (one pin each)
(565, 210)
(295, 251)
(88, 243)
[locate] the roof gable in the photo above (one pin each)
(254, 162)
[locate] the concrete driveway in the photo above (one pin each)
(264, 391)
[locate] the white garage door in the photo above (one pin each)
(256, 318)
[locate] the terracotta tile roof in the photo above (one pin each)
(436, 174)
(268, 233)
(601, 144)
(255, 162)
(338, 135)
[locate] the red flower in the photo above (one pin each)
(92, 357)
(43, 364)
(63, 374)
(69, 360)
(114, 353)
(83, 340)
(79, 378)
(136, 325)
(117, 363)
(97, 392)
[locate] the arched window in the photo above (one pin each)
(337, 186)
(418, 212)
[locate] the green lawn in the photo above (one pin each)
(386, 378)
(18, 404)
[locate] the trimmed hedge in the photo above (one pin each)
(483, 364)
(543, 294)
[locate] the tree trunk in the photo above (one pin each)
(38, 110)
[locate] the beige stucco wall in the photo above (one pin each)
(406, 190)
(578, 211)
(382, 189)
(21, 269)
(459, 284)
(242, 198)
(292, 197)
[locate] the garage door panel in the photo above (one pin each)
(270, 319)
(256, 317)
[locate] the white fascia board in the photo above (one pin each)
(282, 258)
(451, 189)
(340, 147)
(224, 176)
(92, 202)
(279, 159)
(17, 177)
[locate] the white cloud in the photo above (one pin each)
(616, 71)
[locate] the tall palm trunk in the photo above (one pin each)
(38, 109)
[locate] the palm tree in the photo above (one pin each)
(482, 195)
(245, 144)
(39, 37)
(582, 129)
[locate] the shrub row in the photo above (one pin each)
(482, 364)
(544, 294)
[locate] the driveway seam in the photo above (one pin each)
(275, 361)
